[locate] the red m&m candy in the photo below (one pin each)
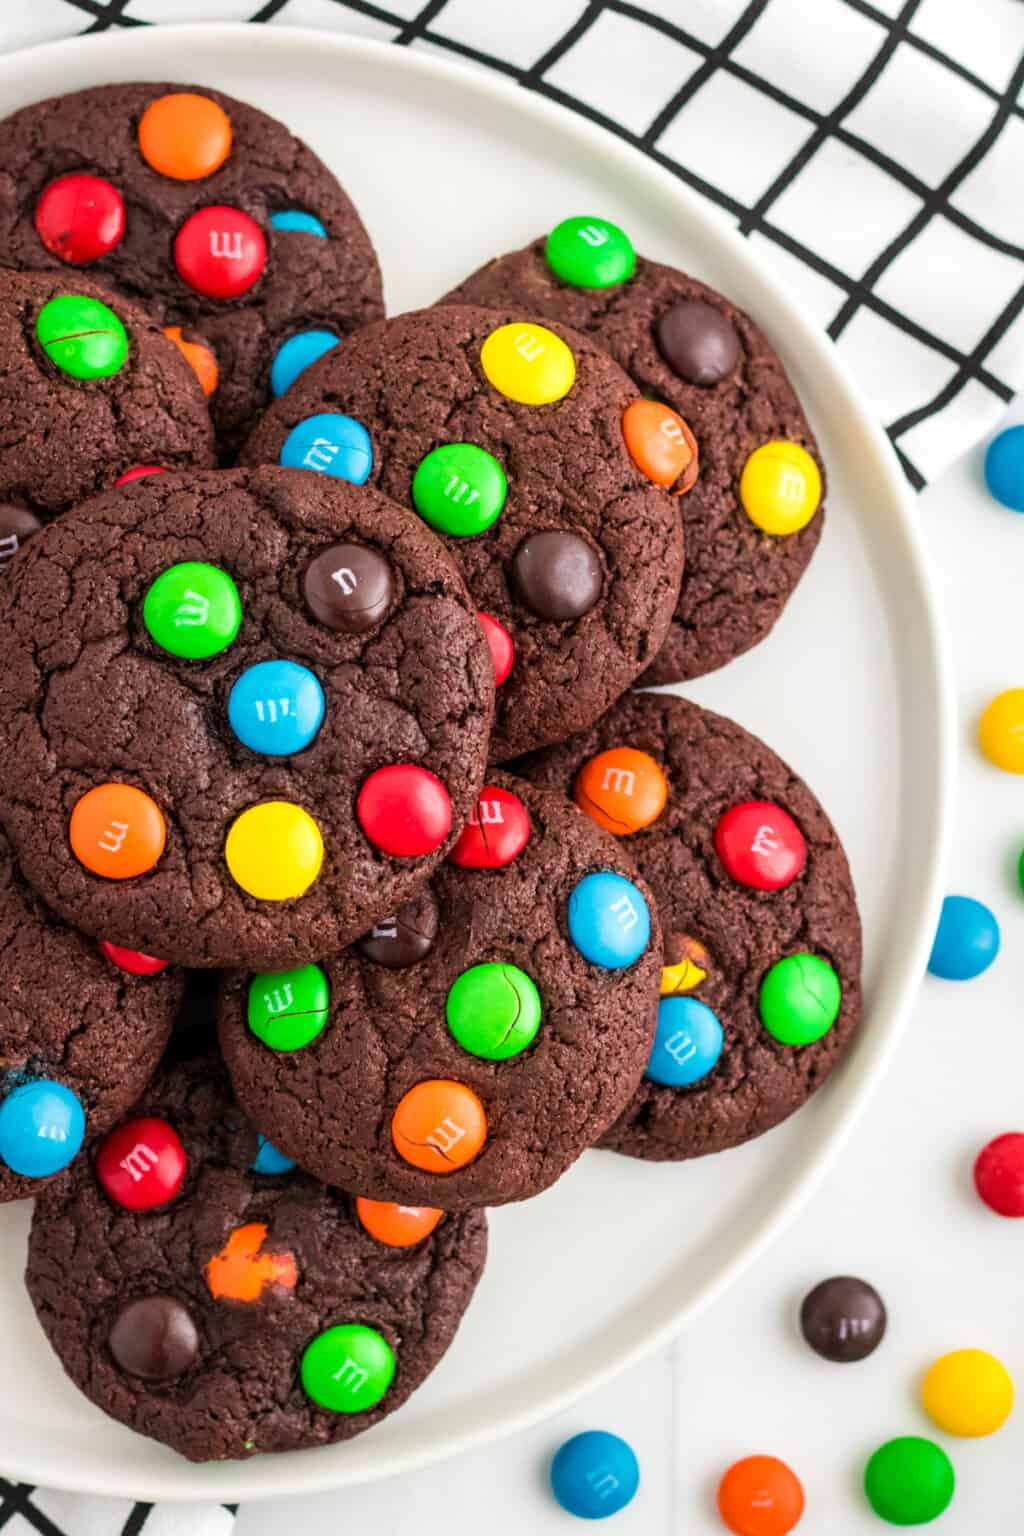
(404, 810)
(80, 218)
(502, 650)
(139, 472)
(496, 833)
(220, 252)
(132, 960)
(999, 1174)
(141, 1164)
(760, 845)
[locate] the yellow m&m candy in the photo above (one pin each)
(968, 1392)
(528, 363)
(1001, 731)
(274, 851)
(780, 487)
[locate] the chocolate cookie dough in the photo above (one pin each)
(221, 223)
(229, 1311)
(82, 1029)
(89, 390)
(214, 749)
(472, 1045)
(761, 980)
(753, 516)
(509, 439)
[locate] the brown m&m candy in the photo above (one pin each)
(402, 940)
(16, 525)
(622, 790)
(348, 588)
(698, 342)
(155, 1338)
(556, 575)
(843, 1319)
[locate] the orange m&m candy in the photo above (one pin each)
(399, 1226)
(439, 1126)
(622, 790)
(199, 358)
(661, 444)
(185, 136)
(760, 1496)
(117, 831)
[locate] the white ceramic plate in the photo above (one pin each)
(449, 166)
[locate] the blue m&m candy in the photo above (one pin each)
(1004, 468)
(269, 1160)
(967, 940)
(298, 219)
(295, 355)
(276, 708)
(330, 444)
(594, 1475)
(42, 1125)
(608, 920)
(687, 1044)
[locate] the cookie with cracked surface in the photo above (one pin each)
(750, 534)
(243, 713)
(89, 390)
(471, 1047)
(229, 1311)
(81, 1034)
(761, 980)
(508, 438)
(214, 216)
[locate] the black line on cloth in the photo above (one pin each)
(933, 203)
(831, 120)
(18, 1501)
(415, 28)
(136, 1520)
(714, 58)
(910, 469)
(952, 387)
(375, 12)
(583, 23)
(269, 10)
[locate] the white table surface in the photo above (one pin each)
(898, 1208)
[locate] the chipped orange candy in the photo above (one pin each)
(399, 1226)
(661, 445)
(242, 1269)
(622, 790)
(199, 358)
(117, 831)
(184, 136)
(439, 1126)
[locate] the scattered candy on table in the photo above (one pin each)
(999, 1174)
(760, 1496)
(909, 1481)
(594, 1474)
(843, 1319)
(967, 940)
(968, 1393)
(1001, 731)
(1004, 468)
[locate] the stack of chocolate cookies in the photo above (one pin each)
(348, 885)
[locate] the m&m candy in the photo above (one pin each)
(493, 1010)
(276, 708)
(1004, 468)
(397, 1226)
(968, 1393)
(82, 337)
(199, 358)
(967, 940)
(800, 999)
(329, 444)
(347, 1369)
(556, 574)
(661, 445)
(193, 610)
(760, 1496)
(909, 1481)
(296, 354)
(269, 1160)
(274, 851)
(220, 252)
(687, 1044)
(760, 845)
(528, 363)
(623, 790)
(503, 651)
(843, 1319)
(698, 342)
(497, 831)
(459, 489)
(42, 1127)
(439, 1126)
(609, 922)
(288, 1009)
(117, 831)
(133, 961)
(1001, 731)
(297, 221)
(141, 1164)
(595, 1474)
(999, 1174)
(404, 810)
(184, 136)
(154, 1338)
(80, 218)
(780, 487)
(348, 588)
(590, 253)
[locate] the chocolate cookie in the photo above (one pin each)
(471, 1046)
(508, 438)
(243, 713)
(200, 1295)
(89, 391)
(226, 227)
(761, 981)
(753, 516)
(82, 1028)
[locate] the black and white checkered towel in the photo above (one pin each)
(871, 149)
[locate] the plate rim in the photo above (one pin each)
(304, 1474)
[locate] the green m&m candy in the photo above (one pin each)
(800, 999)
(459, 489)
(493, 1011)
(590, 253)
(82, 336)
(288, 1009)
(348, 1368)
(193, 610)
(909, 1481)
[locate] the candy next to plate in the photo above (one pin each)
(967, 940)
(1004, 468)
(687, 1044)
(594, 1474)
(999, 1174)
(843, 1319)
(909, 1481)
(608, 920)
(968, 1393)
(1001, 731)
(760, 1496)
(42, 1126)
